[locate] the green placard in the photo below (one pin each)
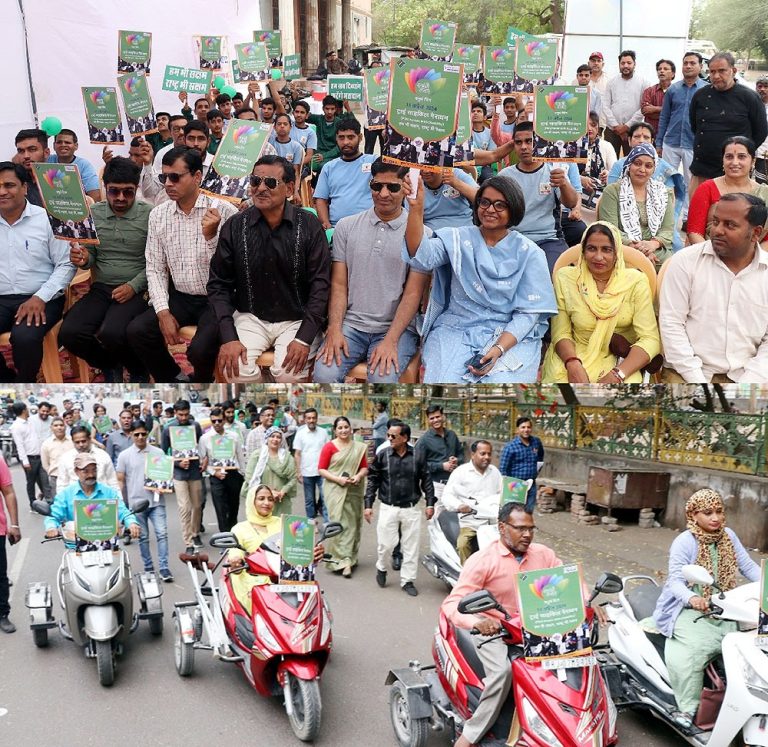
(252, 58)
(437, 38)
(464, 152)
(297, 546)
(187, 79)
(183, 441)
(272, 38)
(467, 55)
(137, 103)
(346, 87)
(376, 89)
(499, 64)
(292, 66)
(103, 115)
(211, 52)
(536, 59)
(424, 98)
(223, 452)
(103, 424)
(560, 112)
(64, 200)
(513, 34)
(762, 622)
(232, 165)
(551, 604)
(134, 51)
(96, 520)
(513, 490)
(158, 473)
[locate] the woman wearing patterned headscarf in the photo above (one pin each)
(641, 206)
(690, 646)
(274, 467)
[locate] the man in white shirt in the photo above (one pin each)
(255, 439)
(41, 422)
(621, 103)
(28, 448)
(81, 440)
(714, 300)
(53, 448)
(307, 444)
(476, 485)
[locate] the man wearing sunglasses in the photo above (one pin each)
(94, 328)
(284, 308)
(181, 239)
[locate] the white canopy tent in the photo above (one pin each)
(52, 49)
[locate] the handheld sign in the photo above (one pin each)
(376, 89)
(64, 200)
(536, 59)
(134, 51)
(139, 111)
(346, 87)
(560, 123)
(499, 70)
(211, 52)
(762, 622)
(292, 66)
(95, 523)
(252, 61)
(469, 56)
(465, 154)
(552, 617)
(223, 452)
(437, 38)
(514, 490)
(297, 548)
(183, 442)
(102, 424)
(273, 38)
(158, 473)
(102, 115)
(196, 82)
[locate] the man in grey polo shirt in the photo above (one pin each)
(374, 294)
(130, 474)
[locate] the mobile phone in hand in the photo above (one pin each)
(475, 362)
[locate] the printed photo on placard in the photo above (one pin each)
(95, 524)
(252, 61)
(61, 190)
(183, 442)
(273, 38)
(560, 123)
(437, 39)
(103, 116)
(134, 51)
(376, 83)
(137, 103)
(212, 54)
(297, 548)
(158, 473)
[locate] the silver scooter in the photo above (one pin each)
(95, 589)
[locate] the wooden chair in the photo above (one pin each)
(409, 376)
(632, 258)
(265, 360)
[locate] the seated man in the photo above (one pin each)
(95, 328)
(448, 198)
(33, 275)
(65, 146)
(374, 294)
(713, 313)
(287, 313)
(477, 486)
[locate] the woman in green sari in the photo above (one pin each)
(274, 467)
(343, 467)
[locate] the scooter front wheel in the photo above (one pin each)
(105, 662)
(40, 637)
(183, 652)
(409, 731)
(306, 707)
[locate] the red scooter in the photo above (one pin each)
(568, 707)
(282, 646)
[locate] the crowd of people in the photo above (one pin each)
(464, 279)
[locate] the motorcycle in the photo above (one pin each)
(7, 444)
(95, 589)
(567, 707)
(282, 647)
(637, 675)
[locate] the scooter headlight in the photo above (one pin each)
(113, 579)
(264, 634)
(756, 683)
(537, 725)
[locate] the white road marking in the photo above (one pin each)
(18, 563)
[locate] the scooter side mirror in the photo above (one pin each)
(695, 574)
(224, 540)
(608, 583)
(139, 506)
(331, 529)
(42, 507)
(476, 602)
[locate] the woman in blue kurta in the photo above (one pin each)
(491, 291)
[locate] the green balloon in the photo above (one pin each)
(219, 82)
(276, 74)
(229, 90)
(51, 126)
(311, 210)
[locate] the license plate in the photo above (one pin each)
(96, 557)
(293, 588)
(569, 663)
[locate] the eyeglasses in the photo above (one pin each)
(120, 191)
(139, 435)
(173, 178)
(392, 435)
(216, 420)
(394, 188)
(270, 182)
(497, 205)
(520, 530)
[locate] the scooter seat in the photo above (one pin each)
(467, 648)
(642, 599)
(449, 523)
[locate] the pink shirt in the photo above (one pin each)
(495, 568)
(5, 479)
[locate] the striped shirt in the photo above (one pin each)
(176, 245)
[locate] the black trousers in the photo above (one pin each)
(147, 343)
(96, 329)
(617, 142)
(371, 136)
(573, 230)
(26, 340)
(226, 499)
(36, 475)
(5, 608)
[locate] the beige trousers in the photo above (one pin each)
(189, 499)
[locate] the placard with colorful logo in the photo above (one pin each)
(102, 115)
(376, 82)
(513, 34)
(464, 155)
(222, 452)
(292, 66)
(499, 70)
(61, 190)
(423, 113)
(183, 442)
(95, 520)
(212, 52)
(252, 61)
(297, 550)
(437, 38)
(137, 103)
(536, 59)
(103, 424)
(514, 490)
(134, 51)
(196, 82)
(158, 473)
(240, 148)
(762, 621)
(346, 87)
(469, 56)
(273, 38)
(552, 615)
(560, 123)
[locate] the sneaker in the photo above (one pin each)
(410, 589)
(190, 550)
(347, 571)
(166, 575)
(196, 541)
(683, 720)
(6, 625)
(381, 578)
(149, 570)
(397, 561)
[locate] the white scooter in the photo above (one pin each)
(635, 671)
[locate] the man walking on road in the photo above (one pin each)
(442, 449)
(28, 448)
(521, 458)
(9, 528)
(307, 444)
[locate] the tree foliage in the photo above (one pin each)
(738, 27)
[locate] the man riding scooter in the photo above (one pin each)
(494, 569)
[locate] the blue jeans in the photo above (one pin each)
(156, 515)
(310, 504)
(361, 345)
(530, 500)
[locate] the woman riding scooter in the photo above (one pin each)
(690, 647)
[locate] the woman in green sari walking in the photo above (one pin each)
(274, 467)
(343, 466)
